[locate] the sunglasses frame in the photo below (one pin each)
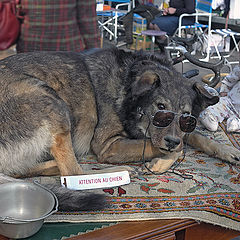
(178, 114)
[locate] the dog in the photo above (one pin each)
(117, 104)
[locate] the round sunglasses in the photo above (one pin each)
(163, 118)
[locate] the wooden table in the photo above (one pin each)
(176, 229)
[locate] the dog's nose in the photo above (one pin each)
(171, 142)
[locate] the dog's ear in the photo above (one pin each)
(206, 96)
(145, 82)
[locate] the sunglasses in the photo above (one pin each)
(163, 118)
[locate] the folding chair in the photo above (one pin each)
(224, 33)
(203, 8)
(109, 19)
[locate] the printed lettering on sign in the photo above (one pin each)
(93, 181)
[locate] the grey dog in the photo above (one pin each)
(112, 102)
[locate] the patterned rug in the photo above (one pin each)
(212, 194)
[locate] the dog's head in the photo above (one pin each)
(162, 105)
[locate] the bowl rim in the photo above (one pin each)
(13, 220)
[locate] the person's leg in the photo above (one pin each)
(88, 24)
(155, 27)
(187, 21)
(167, 24)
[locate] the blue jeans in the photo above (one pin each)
(169, 24)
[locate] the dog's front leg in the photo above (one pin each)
(123, 150)
(160, 165)
(213, 148)
(119, 149)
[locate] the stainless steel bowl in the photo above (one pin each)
(23, 208)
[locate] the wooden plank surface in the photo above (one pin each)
(156, 229)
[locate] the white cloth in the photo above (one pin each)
(228, 107)
(231, 85)
(218, 3)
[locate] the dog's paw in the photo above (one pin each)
(228, 154)
(159, 165)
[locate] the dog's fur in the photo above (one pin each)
(64, 104)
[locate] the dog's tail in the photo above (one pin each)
(70, 200)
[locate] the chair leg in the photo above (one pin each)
(144, 42)
(101, 42)
(215, 46)
(208, 47)
(236, 48)
(153, 43)
(115, 27)
(235, 42)
(136, 43)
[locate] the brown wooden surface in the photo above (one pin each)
(3, 238)
(157, 229)
(177, 229)
(206, 231)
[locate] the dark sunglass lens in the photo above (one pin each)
(187, 123)
(162, 118)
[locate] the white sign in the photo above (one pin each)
(103, 180)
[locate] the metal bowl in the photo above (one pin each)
(23, 208)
